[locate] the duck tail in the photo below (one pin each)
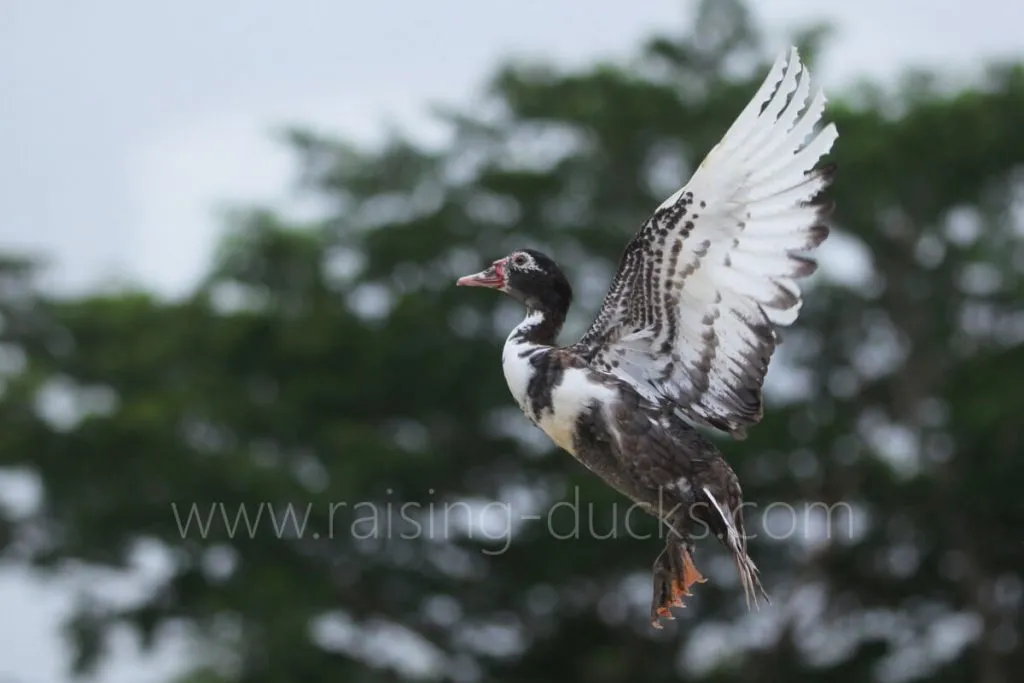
(734, 538)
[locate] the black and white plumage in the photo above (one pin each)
(687, 329)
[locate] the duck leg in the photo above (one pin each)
(674, 574)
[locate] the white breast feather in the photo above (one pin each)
(575, 393)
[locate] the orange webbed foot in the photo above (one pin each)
(690, 573)
(674, 574)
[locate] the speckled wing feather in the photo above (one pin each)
(692, 311)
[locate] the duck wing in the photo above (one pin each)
(692, 312)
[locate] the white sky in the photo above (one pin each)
(125, 123)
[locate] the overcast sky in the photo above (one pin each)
(125, 123)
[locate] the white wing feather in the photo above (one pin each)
(691, 314)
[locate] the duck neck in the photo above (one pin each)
(540, 327)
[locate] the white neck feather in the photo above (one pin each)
(515, 357)
(520, 331)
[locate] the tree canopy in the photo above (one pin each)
(331, 366)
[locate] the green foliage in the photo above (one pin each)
(336, 363)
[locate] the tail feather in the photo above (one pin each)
(735, 540)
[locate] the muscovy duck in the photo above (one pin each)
(687, 329)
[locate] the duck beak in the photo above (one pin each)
(493, 277)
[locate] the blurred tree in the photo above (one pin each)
(331, 364)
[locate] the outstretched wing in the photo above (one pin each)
(692, 311)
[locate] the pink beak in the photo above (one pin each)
(493, 277)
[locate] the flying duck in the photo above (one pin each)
(686, 331)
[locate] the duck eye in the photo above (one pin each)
(519, 260)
